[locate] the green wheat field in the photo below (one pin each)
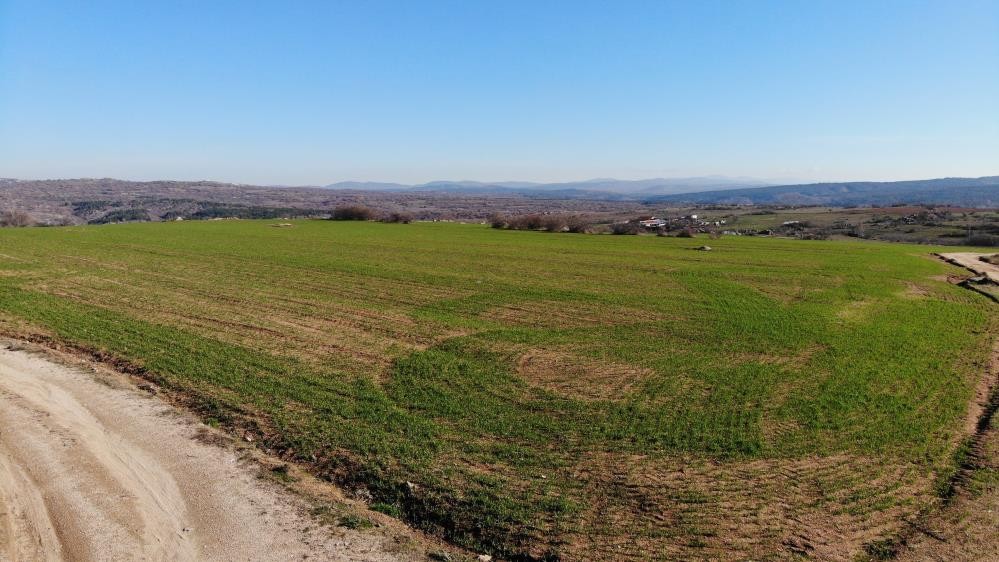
(545, 396)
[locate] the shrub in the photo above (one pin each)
(387, 509)
(525, 222)
(535, 221)
(399, 217)
(351, 521)
(625, 228)
(61, 220)
(498, 221)
(686, 233)
(982, 240)
(553, 223)
(577, 224)
(884, 549)
(353, 213)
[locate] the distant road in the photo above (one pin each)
(972, 261)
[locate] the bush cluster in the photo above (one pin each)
(122, 215)
(362, 213)
(546, 222)
(353, 213)
(625, 228)
(399, 217)
(986, 240)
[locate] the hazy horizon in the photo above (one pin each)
(317, 93)
(767, 181)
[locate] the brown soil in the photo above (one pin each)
(579, 377)
(826, 508)
(914, 291)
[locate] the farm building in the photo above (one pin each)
(652, 222)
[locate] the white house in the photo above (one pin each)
(652, 223)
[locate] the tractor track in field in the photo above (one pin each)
(967, 525)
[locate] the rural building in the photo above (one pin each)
(652, 222)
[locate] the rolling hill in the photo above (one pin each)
(603, 187)
(967, 192)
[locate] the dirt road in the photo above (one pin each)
(973, 262)
(93, 471)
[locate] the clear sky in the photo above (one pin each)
(297, 92)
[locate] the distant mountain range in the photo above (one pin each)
(967, 192)
(603, 187)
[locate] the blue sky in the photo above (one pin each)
(316, 92)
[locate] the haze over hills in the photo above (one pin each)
(654, 186)
(970, 192)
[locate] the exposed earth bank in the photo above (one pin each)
(975, 263)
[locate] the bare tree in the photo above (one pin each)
(578, 224)
(625, 228)
(16, 218)
(553, 223)
(398, 216)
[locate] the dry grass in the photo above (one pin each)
(578, 377)
(915, 291)
(855, 310)
(553, 314)
(822, 507)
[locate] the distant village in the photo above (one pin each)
(686, 221)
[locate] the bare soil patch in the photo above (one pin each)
(578, 377)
